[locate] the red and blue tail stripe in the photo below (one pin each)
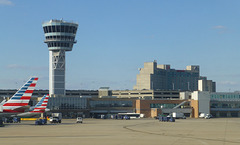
(22, 96)
(41, 105)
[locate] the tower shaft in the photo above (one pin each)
(57, 72)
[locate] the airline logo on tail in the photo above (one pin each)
(41, 106)
(21, 98)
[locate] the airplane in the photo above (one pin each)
(3, 101)
(39, 108)
(18, 103)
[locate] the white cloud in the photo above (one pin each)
(6, 2)
(15, 66)
(21, 67)
(219, 27)
(228, 83)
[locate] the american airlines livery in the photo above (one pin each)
(39, 108)
(19, 101)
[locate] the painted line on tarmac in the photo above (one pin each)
(128, 127)
(8, 137)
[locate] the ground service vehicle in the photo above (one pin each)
(202, 115)
(79, 120)
(205, 115)
(177, 115)
(166, 119)
(208, 116)
(131, 115)
(41, 121)
(126, 117)
(56, 118)
(16, 120)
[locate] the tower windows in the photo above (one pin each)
(53, 28)
(61, 37)
(56, 44)
(60, 28)
(70, 29)
(49, 29)
(74, 30)
(45, 29)
(66, 29)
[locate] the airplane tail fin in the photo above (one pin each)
(41, 105)
(22, 96)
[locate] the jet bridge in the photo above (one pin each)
(177, 109)
(180, 104)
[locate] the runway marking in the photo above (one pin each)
(225, 131)
(128, 127)
(8, 137)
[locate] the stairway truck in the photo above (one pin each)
(56, 118)
(178, 115)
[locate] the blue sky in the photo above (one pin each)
(116, 37)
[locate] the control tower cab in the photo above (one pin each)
(60, 37)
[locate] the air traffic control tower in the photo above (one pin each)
(60, 37)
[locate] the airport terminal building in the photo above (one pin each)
(93, 103)
(220, 104)
(159, 90)
(225, 104)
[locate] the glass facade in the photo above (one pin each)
(162, 105)
(67, 103)
(111, 103)
(225, 96)
(225, 104)
(223, 101)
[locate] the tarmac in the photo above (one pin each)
(215, 131)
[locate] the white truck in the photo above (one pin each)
(177, 115)
(205, 115)
(56, 118)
